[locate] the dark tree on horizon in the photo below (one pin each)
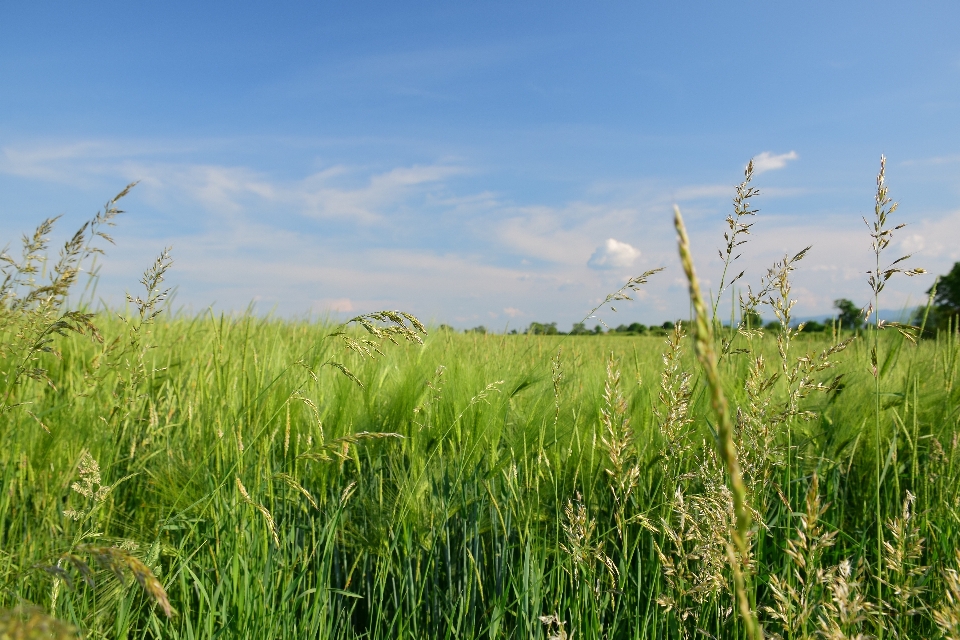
(946, 301)
(850, 316)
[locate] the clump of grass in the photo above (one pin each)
(694, 555)
(32, 313)
(819, 600)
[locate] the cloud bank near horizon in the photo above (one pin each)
(433, 239)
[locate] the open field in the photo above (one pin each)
(249, 477)
(529, 476)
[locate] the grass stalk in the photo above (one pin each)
(706, 354)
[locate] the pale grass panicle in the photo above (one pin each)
(774, 292)
(696, 539)
(847, 611)
(695, 529)
(340, 447)
(89, 486)
(33, 623)
(152, 279)
(556, 376)
(800, 596)
(881, 235)
(947, 614)
(763, 417)
(800, 372)
(625, 292)
(617, 439)
(756, 421)
(119, 560)
(267, 516)
(128, 358)
(675, 391)
(902, 555)
(555, 628)
(583, 547)
(392, 326)
(803, 379)
(737, 227)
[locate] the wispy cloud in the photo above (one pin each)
(767, 161)
(434, 239)
(336, 192)
(936, 160)
(320, 199)
(323, 195)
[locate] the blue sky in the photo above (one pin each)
(480, 163)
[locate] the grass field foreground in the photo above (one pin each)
(241, 476)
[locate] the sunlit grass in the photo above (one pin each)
(238, 476)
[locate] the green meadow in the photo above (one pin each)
(218, 476)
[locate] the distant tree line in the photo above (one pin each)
(943, 313)
(579, 329)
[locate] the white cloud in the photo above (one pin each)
(513, 312)
(766, 161)
(613, 254)
(339, 305)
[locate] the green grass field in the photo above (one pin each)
(502, 498)
(249, 477)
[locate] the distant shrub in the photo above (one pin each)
(543, 329)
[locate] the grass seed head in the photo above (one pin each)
(33, 623)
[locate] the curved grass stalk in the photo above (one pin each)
(703, 344)
(877, 278)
